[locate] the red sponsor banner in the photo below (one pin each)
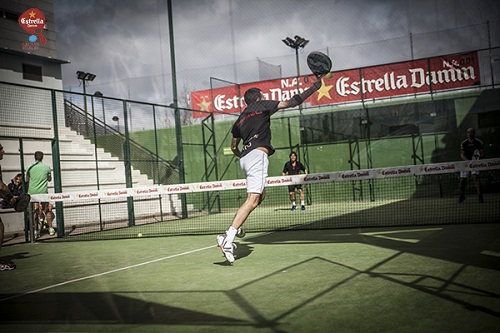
(398, 79)
(227, 100)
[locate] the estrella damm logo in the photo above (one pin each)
(33, 22)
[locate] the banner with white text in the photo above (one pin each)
(390, 80)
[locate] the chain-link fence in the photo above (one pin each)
(95, 143)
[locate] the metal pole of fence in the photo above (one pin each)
(27, 227)
(56, 163)
(127, 159)
(178, 130)
(94, 133)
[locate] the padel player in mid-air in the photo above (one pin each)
(253, 128)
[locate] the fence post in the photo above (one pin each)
(56, 164)
(128, 167)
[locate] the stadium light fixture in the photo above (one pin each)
(85, 77)
(80, 75)
(101, 96)
(296, 43)
(117, 120)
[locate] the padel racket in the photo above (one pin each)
(319, 63)
(22, 203)
(476, 155)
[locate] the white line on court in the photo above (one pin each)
(121, 269)
(106, 273)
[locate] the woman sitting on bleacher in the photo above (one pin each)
(15, 188)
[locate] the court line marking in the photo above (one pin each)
(105, 273)
(134, 266)
(381, 234)
(120, 269)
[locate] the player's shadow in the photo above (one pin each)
(12, 258)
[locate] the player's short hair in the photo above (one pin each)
(292, 153)
(38, 156)
(252, 95)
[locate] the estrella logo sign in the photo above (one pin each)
(33, 22)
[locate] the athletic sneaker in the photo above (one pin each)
(294, 207)
(52, 232)
(240, 233)
(6, 266)
(461, 198)
(303, 207)
(480, 198)
(226, 247)
(37, 234)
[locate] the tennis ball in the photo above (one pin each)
(329, 75)
(139, 235)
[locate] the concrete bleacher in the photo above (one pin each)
(78, 173)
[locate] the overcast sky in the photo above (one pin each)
(126, 42)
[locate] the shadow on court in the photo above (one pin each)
(462, 248)
(110, 308)
(313, 289)
(468, 244)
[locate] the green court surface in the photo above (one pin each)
(437, 278)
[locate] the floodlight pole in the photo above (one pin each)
(85, 108)
(296, 43)
(85, 77)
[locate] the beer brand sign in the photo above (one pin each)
(397, 79)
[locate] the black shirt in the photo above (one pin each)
(254, 126)
(15, 191)
(469, 147)
(293, 169)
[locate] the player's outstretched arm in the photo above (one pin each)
(299, 98)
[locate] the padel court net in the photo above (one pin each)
(384, 197)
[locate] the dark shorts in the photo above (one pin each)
(292, 188)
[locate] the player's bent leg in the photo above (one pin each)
(292, 199)
(477, 184)
(246, 208)
(225, 241)
(226, 247)
(262, 196)
(50, 218)
(301, 196)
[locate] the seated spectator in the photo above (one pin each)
(15, 188)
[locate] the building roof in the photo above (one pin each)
(33, 56)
